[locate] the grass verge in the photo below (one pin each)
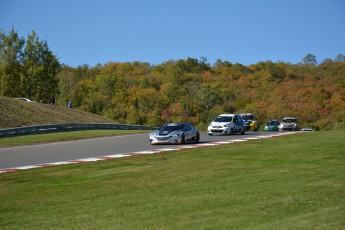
(290, 182)
(17, 113)
(63, 136)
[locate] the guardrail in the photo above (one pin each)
(39, 129)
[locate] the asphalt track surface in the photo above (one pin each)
(71, 150)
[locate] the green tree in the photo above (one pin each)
(11, 52)
(40, 69)
(309, 59)
(340, 58)
(67, 86)
(206, 98)
(192, 65)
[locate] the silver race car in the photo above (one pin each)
(175, 133)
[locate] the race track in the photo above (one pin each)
(16, 157)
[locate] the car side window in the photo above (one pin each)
(187, 127)
(235, 119)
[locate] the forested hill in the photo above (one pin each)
(193, 91)
(16, 113)
(188, 90)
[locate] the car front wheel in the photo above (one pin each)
(183, 139)
(231, 131)
(197, 137)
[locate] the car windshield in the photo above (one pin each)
(248, 117)
(171, 127)
(273, 123)
(290, 120)
(223, 119)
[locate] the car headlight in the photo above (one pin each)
(176, 135)
(227, 125)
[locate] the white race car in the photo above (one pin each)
(227, 124)
(289, 123)
(175, 133)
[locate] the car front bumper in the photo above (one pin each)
(218, 131)
(271, 129)
(288, 128)
(164, 140)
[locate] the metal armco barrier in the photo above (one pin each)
(39, 129)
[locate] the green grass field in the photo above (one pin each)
(289, 182)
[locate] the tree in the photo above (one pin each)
(40, 69)
(68, 81)
(192, 65)
(340, 58)
(206, 98)
(309, 59)
(203, 65)
(11, 52)
(278, 71)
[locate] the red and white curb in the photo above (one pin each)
(120, 155)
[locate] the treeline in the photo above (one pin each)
(193, 91)
(27, 67)
(189, 90)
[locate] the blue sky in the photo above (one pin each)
(239, 31)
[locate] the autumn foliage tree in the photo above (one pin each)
(188, 90)
(138, 93)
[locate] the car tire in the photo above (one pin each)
(243, 132)
(231, 131)
(197, 137)
(183, 139)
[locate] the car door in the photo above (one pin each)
(235, 124)
(188, 131)
(240, 124)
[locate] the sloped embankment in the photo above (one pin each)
(16, 113)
